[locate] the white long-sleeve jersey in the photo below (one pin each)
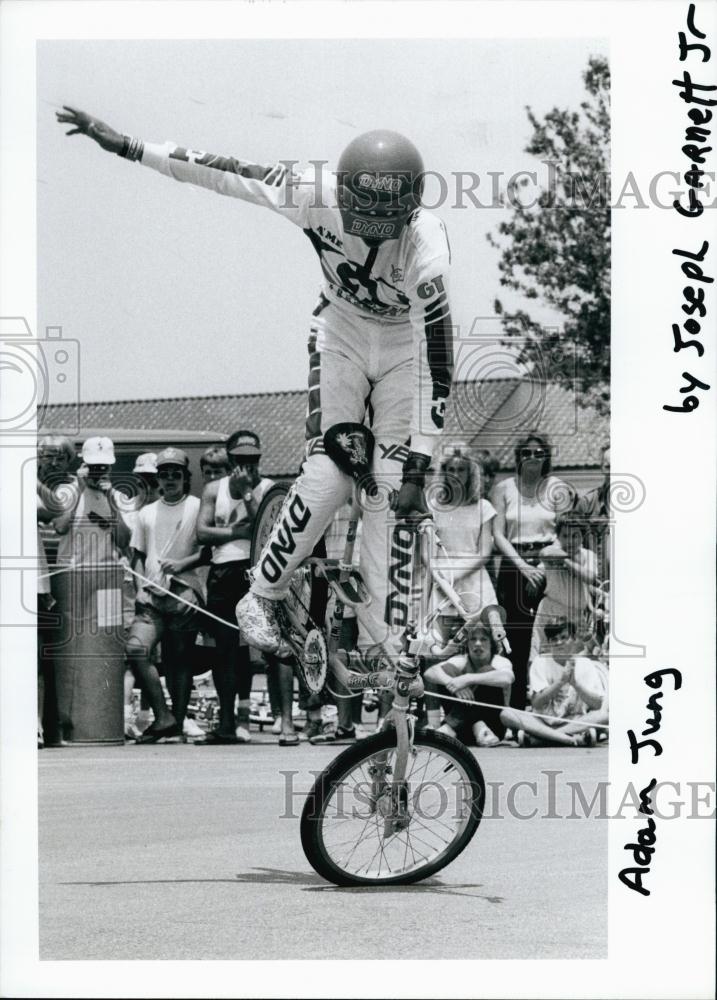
(397, 281)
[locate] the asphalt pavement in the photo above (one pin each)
(189, 852)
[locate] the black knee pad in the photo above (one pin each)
(350, 446)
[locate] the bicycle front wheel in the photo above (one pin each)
(343, 823)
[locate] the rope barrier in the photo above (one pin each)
(156, 586)
(483, 704)
(200, 610)
(518, 711)
(335, 694)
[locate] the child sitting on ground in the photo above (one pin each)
(478, 674)
(569, 689)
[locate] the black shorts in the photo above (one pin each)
(227, 583)
(462, 717)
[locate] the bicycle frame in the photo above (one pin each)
(400, 674)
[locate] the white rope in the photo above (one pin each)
(480, 704)
(156, 586)
(334, 694)
(499, 708)
(176, 597)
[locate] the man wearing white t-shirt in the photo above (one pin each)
(165, 554)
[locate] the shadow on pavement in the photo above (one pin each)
(310, 882)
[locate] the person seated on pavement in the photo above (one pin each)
(480, 673)
(569, 692)
(165, 554)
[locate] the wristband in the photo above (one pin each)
(415, 468)
(132, 149)
(247, 497)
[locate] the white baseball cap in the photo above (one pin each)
(98, 451)
(146, 463)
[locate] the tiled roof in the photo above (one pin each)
(491, 414)
(277, 417)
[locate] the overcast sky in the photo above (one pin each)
(172, 290)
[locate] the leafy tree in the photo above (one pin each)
(557, 249)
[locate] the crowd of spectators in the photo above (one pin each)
(528, 543)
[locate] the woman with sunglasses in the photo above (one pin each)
(526, 506)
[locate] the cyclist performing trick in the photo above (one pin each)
(380, 341)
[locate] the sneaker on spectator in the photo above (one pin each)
(276, 728)
(193, 730)
(145, 717)
(312, 728)
(333, 735)
(485, 737)
(242, 734)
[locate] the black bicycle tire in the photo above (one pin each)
(268, 498)
(318, 797)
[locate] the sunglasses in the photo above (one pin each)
(533, 453)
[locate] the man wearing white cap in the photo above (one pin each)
(165, 552)
(92, 529)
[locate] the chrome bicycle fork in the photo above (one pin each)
(393, 802)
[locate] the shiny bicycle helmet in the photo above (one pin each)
(379, 185)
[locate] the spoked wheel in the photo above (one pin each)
(343, 824)
(311, 649)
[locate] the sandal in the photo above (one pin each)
(289, 740)
(154, 735)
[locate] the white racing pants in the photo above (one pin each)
(356, 363)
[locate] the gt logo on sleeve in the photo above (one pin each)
(428, 289)
(439, 344)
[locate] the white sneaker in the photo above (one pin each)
(276, 728)
(192, 729)
(485, 737)
(132, 731)
(257, 619)
(145, 718)
(243, 735)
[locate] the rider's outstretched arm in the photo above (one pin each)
(276, 187)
